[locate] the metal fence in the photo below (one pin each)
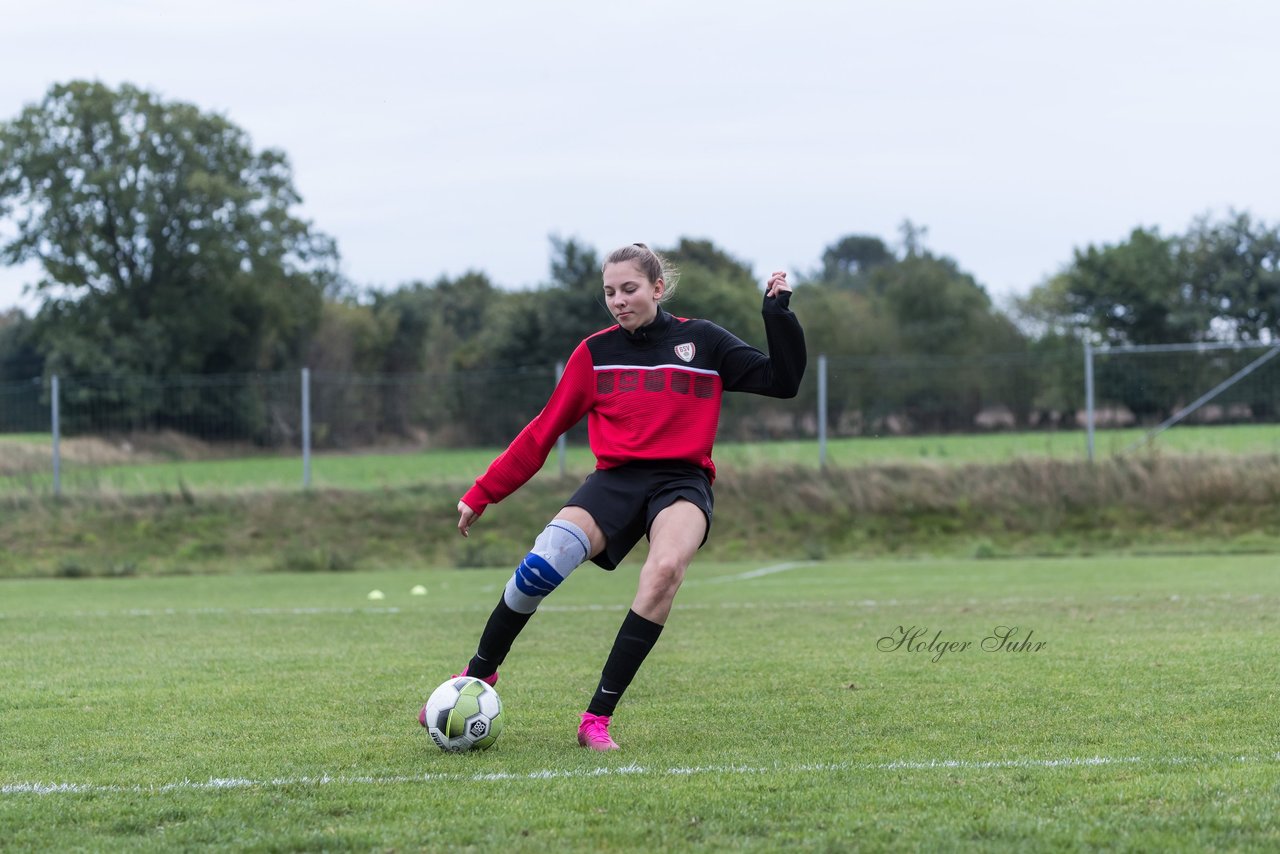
(1174, 383)
(842, 396)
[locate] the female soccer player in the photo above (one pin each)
(650, 388)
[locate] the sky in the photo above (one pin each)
(433, 138)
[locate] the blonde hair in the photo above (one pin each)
(653, 265)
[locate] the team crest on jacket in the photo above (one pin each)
(686, 351)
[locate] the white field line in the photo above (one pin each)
(1007, 601)
(225, 783)
(307, 612)
(756, 573)
(139, 613)
(1003, 602)
(197, 612)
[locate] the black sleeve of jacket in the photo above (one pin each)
(744, 368)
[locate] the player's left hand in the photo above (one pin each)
(777, 284)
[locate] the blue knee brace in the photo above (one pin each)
(559, 550)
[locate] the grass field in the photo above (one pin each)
(276, 712)
(382, 470)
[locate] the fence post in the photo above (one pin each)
(1088, 396)
(561, 443)
(822, 411)
(306, 428)
(56, 429)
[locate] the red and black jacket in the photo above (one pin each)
(652, 394)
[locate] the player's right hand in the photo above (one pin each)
(466, 517)
(777, 284)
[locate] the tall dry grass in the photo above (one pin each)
(1153, 482)
(1027, 506)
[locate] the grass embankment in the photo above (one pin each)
(1021, 507)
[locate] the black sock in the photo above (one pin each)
(636, 637)
(496, 639)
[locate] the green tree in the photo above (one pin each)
(953, 344)
(19, 359)
(1232, 272)
(22, 404)
(848, 327)
(1219, 281)
(715, 286)
(915, 341)
(438, 326)
(1127, 293)
(535, 329)
(440, 330)
(1231, 269)
(847, 260)
(512, 362)
(167, 244)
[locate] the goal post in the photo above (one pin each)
(1214, 367)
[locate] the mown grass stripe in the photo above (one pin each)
(1005, 601)
(225, 783)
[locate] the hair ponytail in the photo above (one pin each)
(653, 265)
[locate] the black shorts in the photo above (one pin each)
(623, 501)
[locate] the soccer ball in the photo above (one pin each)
(463, 714)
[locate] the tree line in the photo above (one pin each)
(169, 248)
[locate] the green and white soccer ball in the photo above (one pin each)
(463, 714)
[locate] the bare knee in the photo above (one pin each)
(667, 573)
(674, 538)
(660, 580)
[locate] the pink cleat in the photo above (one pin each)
(593, 732)
(490, 680)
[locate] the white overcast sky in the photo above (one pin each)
(431, 138)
